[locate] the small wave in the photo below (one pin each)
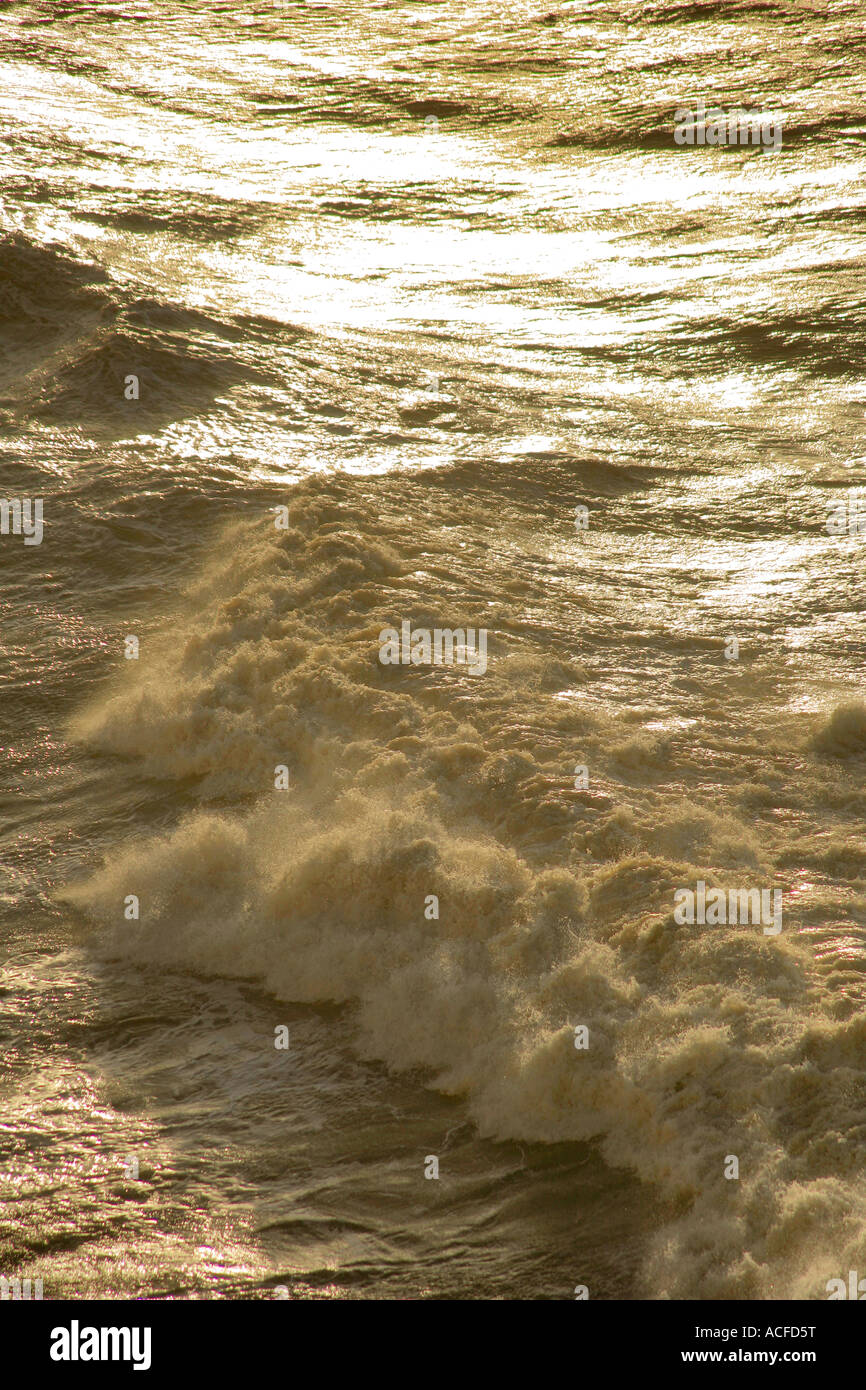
(86, 340)
(844, 733)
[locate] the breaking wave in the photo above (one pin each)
(555, 904)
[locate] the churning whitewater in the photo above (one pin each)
(441, 644)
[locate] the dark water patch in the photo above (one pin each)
(78, 346)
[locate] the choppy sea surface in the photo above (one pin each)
(432, 277)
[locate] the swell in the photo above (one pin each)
(555, 904)
(79, 337)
